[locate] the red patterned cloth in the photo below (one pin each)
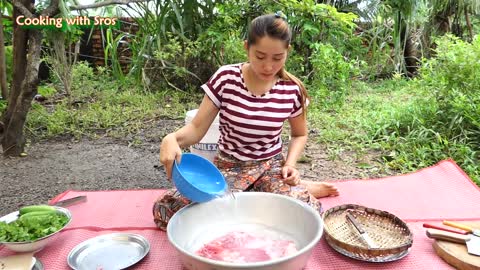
(433, 194)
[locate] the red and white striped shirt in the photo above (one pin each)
(251, 126)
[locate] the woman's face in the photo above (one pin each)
(267, 56)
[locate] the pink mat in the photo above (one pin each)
(431, 194)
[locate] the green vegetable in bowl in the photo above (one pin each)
(36, 208)
(39, 214)
(32, 225)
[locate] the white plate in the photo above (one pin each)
(109, 252)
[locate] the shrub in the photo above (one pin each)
(452, 77)
(331, 74)
(9, 62)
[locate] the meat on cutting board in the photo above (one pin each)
(238, 247)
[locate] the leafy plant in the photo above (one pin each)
(183, 20)
(84, 80)
(9, 62)
(170, 64)
(332, 76)
(111, 50)
(453, 79)
(3, 105)
(62, 55)
(221, 43)
(46, 91)
(6, 8)
(31, 229)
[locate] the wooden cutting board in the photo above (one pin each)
(17, 262)
(456, 254)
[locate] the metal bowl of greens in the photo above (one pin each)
(32, 227)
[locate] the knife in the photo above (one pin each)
(363, 233)
(472, 241)
(71, 201)
(462, 227)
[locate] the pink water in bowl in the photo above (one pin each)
(245, 247)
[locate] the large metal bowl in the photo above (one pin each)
(196, 224)
(36, 245)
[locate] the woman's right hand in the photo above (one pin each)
(170, 151)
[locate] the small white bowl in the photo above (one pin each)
(36, 245)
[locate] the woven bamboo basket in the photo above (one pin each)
(389, 232)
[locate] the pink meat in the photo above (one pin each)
(238, 247)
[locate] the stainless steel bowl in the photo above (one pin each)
(197, 224)
(33, 246)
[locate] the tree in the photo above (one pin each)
(26, 61)
(446, 17)
(3, 67)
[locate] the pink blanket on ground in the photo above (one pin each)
(442, 191)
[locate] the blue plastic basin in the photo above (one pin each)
(198, 179)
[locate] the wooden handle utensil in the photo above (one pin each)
(447, 236)
(431, 226)
(462, 227)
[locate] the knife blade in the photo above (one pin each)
(462, 227)
(71, 201)
(472, 241)
(363, 234)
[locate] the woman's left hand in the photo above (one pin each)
(290, 175)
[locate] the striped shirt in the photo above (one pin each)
(251, 126)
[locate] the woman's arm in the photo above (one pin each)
(299, 135)
(191, 133)
(194, 131)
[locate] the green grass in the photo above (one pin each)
(393, 117)
(114, 113)
(100, 105)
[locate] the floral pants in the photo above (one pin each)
(241, 176)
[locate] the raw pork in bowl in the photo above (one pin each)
(251, 230)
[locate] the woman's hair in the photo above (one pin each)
(276, 26)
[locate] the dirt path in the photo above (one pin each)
(54, 166)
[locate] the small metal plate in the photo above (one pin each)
(109, 252)
(38, 265)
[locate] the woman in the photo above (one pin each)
(254, 99)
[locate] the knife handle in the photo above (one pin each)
(431, 226)
(355, 223)
(447, 236)
(457, 225)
